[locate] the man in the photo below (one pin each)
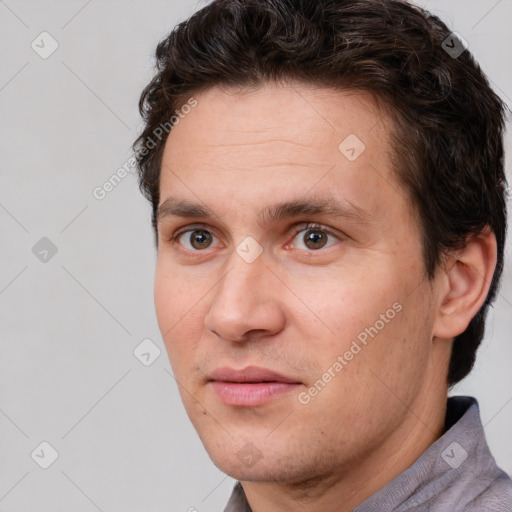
(328, 202)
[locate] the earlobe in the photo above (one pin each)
(467, 277)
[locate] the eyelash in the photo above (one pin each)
(303, 227)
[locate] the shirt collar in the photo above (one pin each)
(462, 448)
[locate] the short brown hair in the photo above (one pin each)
(448, 123)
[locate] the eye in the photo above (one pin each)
(198, 239)
(315, 237)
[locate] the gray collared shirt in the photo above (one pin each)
(455, 474)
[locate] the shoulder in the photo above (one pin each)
(488, 496)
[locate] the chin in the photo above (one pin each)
(244, 463)
(262, 471)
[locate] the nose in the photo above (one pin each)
(246, 302)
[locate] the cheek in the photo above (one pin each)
(166, 305)
(173, 295)
(338, 310)
(373, 382)
(177, 316)
(373, 321)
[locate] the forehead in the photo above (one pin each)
(288, 140)
(306, 116)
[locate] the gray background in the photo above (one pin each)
(70, 323)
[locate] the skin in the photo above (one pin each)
(295, 309)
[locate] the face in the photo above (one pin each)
(290, 289)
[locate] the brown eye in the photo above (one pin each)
(197, 239)
(200, 239)
(315, 238)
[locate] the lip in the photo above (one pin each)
(249, 374)
(251, 386)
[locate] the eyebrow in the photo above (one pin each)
(270, 214)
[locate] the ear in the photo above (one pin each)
(464, 284)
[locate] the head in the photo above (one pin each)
(351, 115)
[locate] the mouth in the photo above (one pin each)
(253, 386)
